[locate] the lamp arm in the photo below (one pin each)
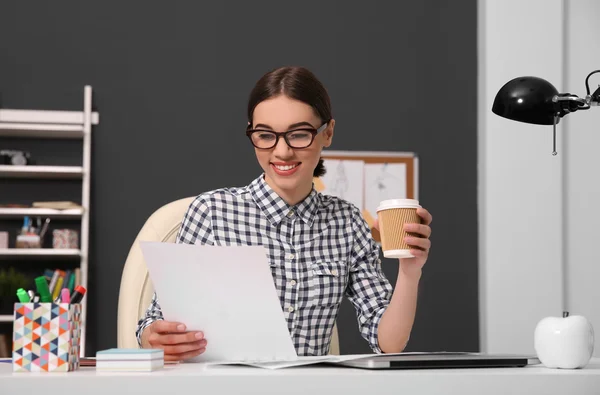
(594, 98)
(587, 86)
(566, 103)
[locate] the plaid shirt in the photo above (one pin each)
(318, 250)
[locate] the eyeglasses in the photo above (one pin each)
(297, 138)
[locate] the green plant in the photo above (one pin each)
(10, 281)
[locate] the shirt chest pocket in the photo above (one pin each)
(328, 281)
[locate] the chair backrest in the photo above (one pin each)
(136, 289)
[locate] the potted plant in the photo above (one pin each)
(10, 282)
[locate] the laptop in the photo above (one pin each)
(442, 360)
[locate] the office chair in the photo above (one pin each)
(136, 289)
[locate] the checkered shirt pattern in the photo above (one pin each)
(318, 250)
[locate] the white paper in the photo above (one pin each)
(226, 292)
(334, 359)
(344, 179)
(303, 361)
(383, 181)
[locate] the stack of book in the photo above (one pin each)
(129, 360)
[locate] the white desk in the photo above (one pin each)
(199, 379)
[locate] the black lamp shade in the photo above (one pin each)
(526, 99)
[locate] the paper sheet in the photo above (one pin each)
(335, 359)
(383, 181)
(344, 179)
(226, 292)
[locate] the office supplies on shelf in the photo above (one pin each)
(78, 294)
(57, 287)
(23, 296)
(28, 241)
(129, 360)
(65, 238)
(15, 157)
(65, 297)
(42, 287)
(44, 228)
(3, 239)
(59, 205)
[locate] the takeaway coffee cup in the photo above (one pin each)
(392, 215)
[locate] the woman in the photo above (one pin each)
(320, 247)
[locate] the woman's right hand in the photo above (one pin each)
(172, 338)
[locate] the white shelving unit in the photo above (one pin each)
(43, 124)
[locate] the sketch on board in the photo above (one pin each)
(383, 181)
(344, 179)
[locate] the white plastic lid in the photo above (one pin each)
(398, 203)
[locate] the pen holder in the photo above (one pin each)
(46, 337)
(28, 241)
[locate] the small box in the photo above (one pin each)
(129, 360)
(46, 337)
(3, 239)
(65, 238)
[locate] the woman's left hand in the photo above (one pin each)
(420, 242)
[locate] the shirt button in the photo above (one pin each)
(291, 308)
(293, 282)
(290, 213)
(378, 261)
(334, 272)
(290, 257)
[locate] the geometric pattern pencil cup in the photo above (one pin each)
(46, 337)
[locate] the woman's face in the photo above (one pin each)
(289, 171)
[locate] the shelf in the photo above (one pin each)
(38, 253)
(46, 116)
(69, 172)
(41, 130)
(44, 125)
(39, 212)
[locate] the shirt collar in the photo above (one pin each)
(275, 208)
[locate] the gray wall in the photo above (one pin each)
(171, 80)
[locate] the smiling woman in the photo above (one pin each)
(292, 101)
(319, 247)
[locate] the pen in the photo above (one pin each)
(78, 294)
(22, 295)
(42, 287)
(64, 296)
(25, 227)
(44, 228)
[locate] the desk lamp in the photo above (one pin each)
(565, 342)
(535, 100)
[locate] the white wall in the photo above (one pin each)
(582, 139)
(537, 212)
(520, 182)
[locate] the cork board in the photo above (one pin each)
(360, 174)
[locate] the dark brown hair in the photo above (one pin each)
(297, 83)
